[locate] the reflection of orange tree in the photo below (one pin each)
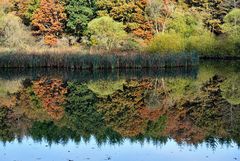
(180, 126)
(133, 111)
(201, 115)
(51, 93)
(126, 112)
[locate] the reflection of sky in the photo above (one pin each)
(28, 150)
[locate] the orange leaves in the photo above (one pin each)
(48, 21)
(50, 40)
(144, 31)
(21, 7)
(51, 93)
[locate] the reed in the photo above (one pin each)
(96, 61)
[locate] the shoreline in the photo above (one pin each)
(219, 57)
(97, 61)
(114, 60)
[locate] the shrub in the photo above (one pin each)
(228, 45)
(106, 33)
(185, 23)
(168, 43)
(204, 44)
(232, 22)
(13, 33)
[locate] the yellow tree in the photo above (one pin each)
(48, 21)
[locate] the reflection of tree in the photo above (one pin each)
(105, 87)
(6, 134)
(126, 112)
(141, 110)
(81, 109)
(47, 130)
(51, 93)
(231, 89)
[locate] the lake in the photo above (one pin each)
(190, 114)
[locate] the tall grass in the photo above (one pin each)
(96, 61)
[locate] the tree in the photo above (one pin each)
(158, 11)
(48, 21)
(232, 22)
(212, 11)
(79, 13)
(231, 27)
(185, 23)
(131, 13)
(13, 33)
(106, 33)
(25, 9)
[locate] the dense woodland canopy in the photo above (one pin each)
(163, 26)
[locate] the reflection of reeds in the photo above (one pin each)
(96, 61)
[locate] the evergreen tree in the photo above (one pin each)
(79, 13)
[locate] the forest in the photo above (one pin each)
(205, 27)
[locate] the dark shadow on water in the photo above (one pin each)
(84, 75)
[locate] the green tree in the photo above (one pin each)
(212, 11)
(230, 44)
(232, 22)
(185, 23)
(79, 13)
(80, 107)
(106, 33)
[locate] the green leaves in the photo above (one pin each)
(79, 12)
(106, 33)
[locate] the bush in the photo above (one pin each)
(204, 44)
(228, 45)
(185, 23)
(13, 33)
(232, 22)
(106, 33)
(167, 43)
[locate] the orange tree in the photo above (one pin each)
(131, 13)
(48, 21)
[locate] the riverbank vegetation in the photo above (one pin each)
(208, 28)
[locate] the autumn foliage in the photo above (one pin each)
(48, 21)
(51, 93)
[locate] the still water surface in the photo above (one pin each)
(128, 115)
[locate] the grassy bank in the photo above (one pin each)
(96, 61)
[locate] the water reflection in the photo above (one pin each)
(184, 107)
